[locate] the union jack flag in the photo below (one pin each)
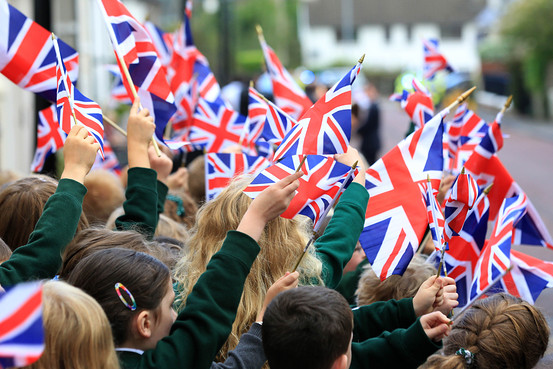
(433, 59)
(454, 132)
(21, 329)
(186, 95)
(462, 197)
(27, 56)
(109, 162)
(418, 105)
(394, 222)
(132, 45)
(220, 169)
(434, 214)
(288, 95)
(530, 230)
(162, 41)
(317, 188)
(326, 127)
(495, 258)
(215, 127)
(528, 277)
(118, 90)
(50, 137)
(73, 105)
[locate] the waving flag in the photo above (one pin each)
(73, 107)
(288, 95)
(434, 214)
(220, 169)
(396, 220)
(433, 59)
(162, 41)
(453, 131)
(215, 127)
(462, 197)
(118, 89)
(495, 258)
(50, 137)
(27, 56)
(133, 46)
(109, 162)
(326, 127)
(317, 188)
(528, 276)
(21, 329)
(530, 230)
(418, 105)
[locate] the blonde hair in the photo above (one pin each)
(371, 289)
(281, 243)
(77, 331)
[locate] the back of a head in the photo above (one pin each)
(77, 331)
(501, 331)
(104, 194)
(371, 289)
(196, 179)
(306, 328)
(22, 203)
(181, 207)
(143, 276)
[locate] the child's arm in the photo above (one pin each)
(335, 247)
(249, 353)
(436, 294)
(205, 323)
(141, 193)
(40, 258)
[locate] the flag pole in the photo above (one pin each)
(259, 31)
(460, 99)
(323, 215)
(507, 104)
(301, 163)
(269, 102)
(114, 125)
(471, 302)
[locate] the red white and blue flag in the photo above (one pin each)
(326, 127)
(215, 127)
(220, 169)
(434, 214)
(133, 45)
(109, 162)
(418, 105)
(495, 259)
(27, 55)
(21, 328)
(434, 60)
(50, 137)
(118, 90)
(163, 42)
(396, 219)
(462, 197)
(530, 230)
(321, 183)
(288, 95)
(72, 105)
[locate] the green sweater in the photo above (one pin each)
(388, 334)
(145, 199)
(205, 323)
(40, 258)
(335, 247)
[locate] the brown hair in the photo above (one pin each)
(22, 203)
(145, 277)
(105, 194)
(91, 240)
(181, 207)
(371, 288)
(77, 331)
(501, 331)
(5, 251)
(196, 179)
(281, 242)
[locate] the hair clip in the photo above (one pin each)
(177, 200)
(118, 288)
(469, 356)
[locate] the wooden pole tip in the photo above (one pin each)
(508, 102)
(354, 165)
(463, 170)
(251, 84)
(488, 189)
(361, 59)
(259, 30)
(428, 178)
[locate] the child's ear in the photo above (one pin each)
(144, 323)
(341, 362)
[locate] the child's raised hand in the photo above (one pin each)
(445, 185)
(429, 295)
(269, 204)
(140, 130)
(161, 164)
(286, 282)
(349, 158)
(436, 325)
(450, 296)
(79, 153)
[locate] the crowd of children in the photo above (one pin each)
(156, 279)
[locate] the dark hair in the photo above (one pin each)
(502, 331)
(306, 328)
(145, 277)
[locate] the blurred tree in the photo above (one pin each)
(527, 26)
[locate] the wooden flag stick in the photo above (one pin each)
(134, 93)
(471, 302)
(301, 163)
(507, 104)
(115, 125)
(259, 31)
(460, 99)
(361, 59)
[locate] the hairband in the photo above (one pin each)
(118, 288)
(469, 356)
(177, 200)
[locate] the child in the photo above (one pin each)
(282, 243)
(77, 332)
(500, 331)
(105, 194)
(311, 327)
(136, 293)
(41, 257)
